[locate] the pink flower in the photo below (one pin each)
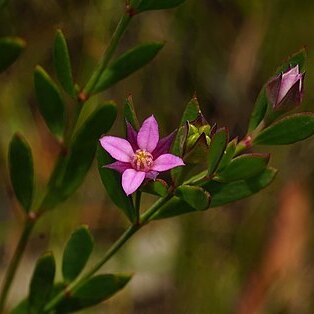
(286, 89)
(142, 155)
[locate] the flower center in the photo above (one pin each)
(142, 160)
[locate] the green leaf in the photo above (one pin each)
(62, 63)
(260, 109)
(21, 170)
(198, 152)
(158, 187)
(228, 154)
(288, 130)
(216, 149)
(297, 58)
(50, 102)
(195, 196)
(129, 113)
(174, 207)
(73, 166)
(95, 290)
(127, 64)
(76, 253)
(10, 50)
(191, 111)
(224, 193)
(244, 167)
(111, 179)
(41, 283)
(144, 5)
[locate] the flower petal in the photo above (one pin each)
(164, 145)
(166, 162)
(131, 135)
(131, 180)
(287, 81)
(148, 135)
(118, 148)
(119, 166)
(151, 175)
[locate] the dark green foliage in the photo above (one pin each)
(21, 170)
(195, 196)
(288, 130)
(127, 64)
(73, 165)
(92, 292)
(259, 110)
(216, 149)
(224, 193)
(112, 182)
(41, 284)
(10, 49)
(76, 253)
(244, 167)
(50, 102)
(62, 63)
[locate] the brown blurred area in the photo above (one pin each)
(253, 256)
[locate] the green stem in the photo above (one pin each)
(11, 271)
(123, 23)
(112, 250)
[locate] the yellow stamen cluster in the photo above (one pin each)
(142, 160)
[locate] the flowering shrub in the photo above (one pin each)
(206, 167)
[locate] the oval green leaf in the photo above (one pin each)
(111, 180)
(50, 102)
(73, 166)
(244, 167)
(288, 130)
(41, 283)
(97, 289)
(216, 149)
(224, 193)
(127, 64)
(76, 253)
(21, 170)
(145, 5)
(62, 63)
(195, 196)
(10, 50)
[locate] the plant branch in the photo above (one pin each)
(14, 263)
(112, 250)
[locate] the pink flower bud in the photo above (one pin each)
(286, 89)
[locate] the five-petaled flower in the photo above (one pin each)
(142, 155)
(286, 89)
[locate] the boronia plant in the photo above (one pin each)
(196, 167)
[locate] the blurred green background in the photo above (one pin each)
(254, 256)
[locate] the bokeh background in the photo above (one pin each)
(254, 256)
